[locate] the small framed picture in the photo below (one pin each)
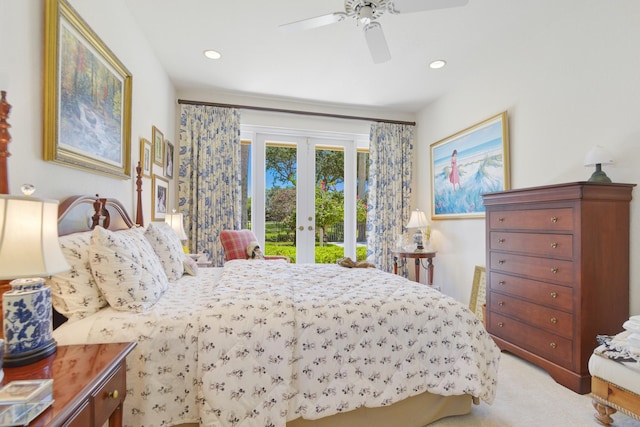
(145, 157)
(168, 163)
(158, 146)
(160, 197)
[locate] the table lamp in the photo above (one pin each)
(176, 222)
(29, 252)
(597, 157)
(419, 221)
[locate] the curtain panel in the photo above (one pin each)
(390, 166)
(209, 176)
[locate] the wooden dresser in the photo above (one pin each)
(557, 273)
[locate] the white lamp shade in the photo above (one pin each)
(598, 155)
(176, 222)
(29, 238)
(418, 220)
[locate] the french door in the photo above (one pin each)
(319, 171)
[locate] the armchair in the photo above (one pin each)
(235, 243)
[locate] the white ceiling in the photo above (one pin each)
(332, 64)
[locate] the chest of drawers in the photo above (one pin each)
(557, 273)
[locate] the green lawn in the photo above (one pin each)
(327, 254)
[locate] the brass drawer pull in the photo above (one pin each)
(554, 295)
(501, 303)
(554, 270)
(501, 261)
(554, 245)
(500, 240)
(554, 219)
(553, 345)
(501, 219)
(501, 282)
(554, 320)
(114, 394)
(500, 324)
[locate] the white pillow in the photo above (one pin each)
(167, 245)
(190, 265)
(75, 293)
(126, 269)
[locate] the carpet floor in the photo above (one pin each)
(528, 397)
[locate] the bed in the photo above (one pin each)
(263, 343)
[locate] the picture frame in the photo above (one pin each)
(158, 146)
(159, 197)
(169, 159)
(82, 130)
(145, 157)
(468, 164)
(478, 292)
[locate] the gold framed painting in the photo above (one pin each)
(468, 164)
(160, 197)
(158, 146)
(87, 97)
(145, 157)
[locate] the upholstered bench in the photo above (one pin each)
(615, 387)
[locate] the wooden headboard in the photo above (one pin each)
(84, 213)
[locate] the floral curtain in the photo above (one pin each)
(390, 159)
(209, 180)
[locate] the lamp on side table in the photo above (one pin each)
(29, 251)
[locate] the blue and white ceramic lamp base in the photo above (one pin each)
(28, 327)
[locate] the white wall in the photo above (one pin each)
(577, 86)
(21, 75)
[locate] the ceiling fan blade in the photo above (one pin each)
(407, 6)
(377, 43)
(318, 21)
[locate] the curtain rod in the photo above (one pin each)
(306, 113)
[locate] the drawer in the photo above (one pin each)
(546, 245)
(545, 269)
(557, 219)
(555, 321)
(548, 294)
(545, 344)
(104, 400)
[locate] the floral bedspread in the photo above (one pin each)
(259, 343)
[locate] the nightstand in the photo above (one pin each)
(89, 384)
(417, 256)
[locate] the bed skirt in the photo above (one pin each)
(416, 411)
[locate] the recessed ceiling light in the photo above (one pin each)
(212, 54)
(438, 63)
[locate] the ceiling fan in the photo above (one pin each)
(366, 12)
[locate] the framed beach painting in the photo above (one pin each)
(467, 165)
(159, 197)
(87, 97)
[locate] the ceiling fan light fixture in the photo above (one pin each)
(212, 54)
(365, 14)
(438, 63)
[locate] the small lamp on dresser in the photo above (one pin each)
(419, 221)
(29, 252)
(597, 157)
